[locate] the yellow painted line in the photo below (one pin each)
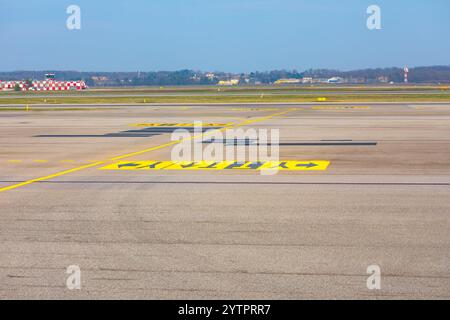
(291, 165)
(178, 124)
(15, 161)
(49, 176)
(67, 161)
(244, 123)
(40, 161)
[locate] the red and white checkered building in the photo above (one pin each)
(46, 85)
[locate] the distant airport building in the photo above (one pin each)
(232, 82)
(383, 79)
(210, 76)
(335, 80)
(288, 81)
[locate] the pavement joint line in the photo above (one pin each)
(62, 173)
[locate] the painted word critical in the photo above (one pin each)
(219, 165)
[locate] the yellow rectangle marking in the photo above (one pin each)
(304, 165)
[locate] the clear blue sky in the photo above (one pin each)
(225, 35)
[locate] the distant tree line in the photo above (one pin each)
(434, 74)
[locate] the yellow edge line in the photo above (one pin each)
(138, 152)
(51, 176)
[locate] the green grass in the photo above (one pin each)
(239, 90)
(439, 97)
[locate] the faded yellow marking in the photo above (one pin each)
(40, 161)
(291, 165)
(244, 123)
(15, 161)
(67, 161)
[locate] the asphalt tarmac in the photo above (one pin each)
(192, 233)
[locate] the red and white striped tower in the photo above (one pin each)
(406, 70)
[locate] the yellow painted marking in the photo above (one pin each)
(49, 176)
(15, 161)
(179, 124)
(341, 108)
(308, 165)
(40, 161)
(244, 123)
(67, 161)
(321, 99)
